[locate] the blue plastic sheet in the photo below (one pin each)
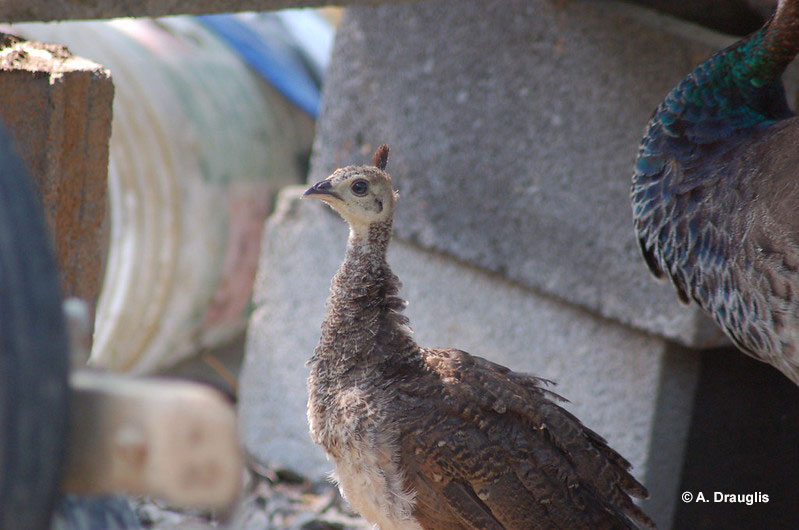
(271, 57)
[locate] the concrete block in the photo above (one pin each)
(513, 127)
(57, 108)
(623, 383)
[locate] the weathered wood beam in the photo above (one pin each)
(57, 109)
(169, 439)
(732, 16)
(45, 10)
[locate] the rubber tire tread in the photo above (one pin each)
(34, 360)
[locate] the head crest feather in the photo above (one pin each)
(381, 157)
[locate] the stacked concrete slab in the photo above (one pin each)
(513, 127)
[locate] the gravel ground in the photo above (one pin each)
(270, 500)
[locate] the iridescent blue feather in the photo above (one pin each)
(715, 194)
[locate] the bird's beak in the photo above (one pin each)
(321, 190)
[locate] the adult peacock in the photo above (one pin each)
(715, 193)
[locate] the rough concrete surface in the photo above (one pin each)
(514, 126)
(57, 108)
(612, 375)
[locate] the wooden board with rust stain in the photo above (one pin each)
(57, 108)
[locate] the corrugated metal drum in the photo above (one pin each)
(196, 152)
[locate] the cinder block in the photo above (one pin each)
(514, 125)
(623, 383)
(57, 108)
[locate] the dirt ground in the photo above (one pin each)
(270, 500)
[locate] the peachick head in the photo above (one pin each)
(362, 195)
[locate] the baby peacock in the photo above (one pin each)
(437, 438)
(715, 193)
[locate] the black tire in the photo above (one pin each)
(33, 355)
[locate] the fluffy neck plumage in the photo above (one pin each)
(368, 244)
(364, 323)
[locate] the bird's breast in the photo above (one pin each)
(370, 479)
(351, 424)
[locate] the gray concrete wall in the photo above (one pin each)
(513, 134)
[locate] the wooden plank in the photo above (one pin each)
(734, 16)
(57, 109)
(46, 10)
(175, 440)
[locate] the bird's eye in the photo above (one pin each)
(359, 187)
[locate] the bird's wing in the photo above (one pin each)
(655, 200)
(725, 228)
(485, 447)
(689, 151)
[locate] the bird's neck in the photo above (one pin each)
(364, 322)
(740, 86)
(367, 245)
(766, 54)
(734, 93)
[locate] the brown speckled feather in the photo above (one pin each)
(499, 449)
